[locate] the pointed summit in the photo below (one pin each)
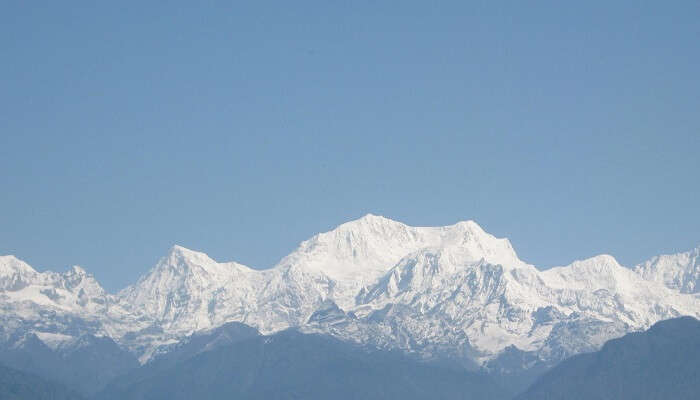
(183, 287)
(181, 252)
(182, 261)
(473, 239)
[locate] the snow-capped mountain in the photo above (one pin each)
(74, 288)
(187, 283)
(677, 271)
(59, 307)
(441, 300)
(359, 252)
(187, 291)
(433, 291)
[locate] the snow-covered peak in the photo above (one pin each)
(363, 248)
(368, 279)
(10, 264)
(470, 226)
(82, 283)
(353, 238)
(48, 296)
(184, 257)
(599, 272)
(366, 248)
(370, 219)
(181, 290)
(478, 244)
(181, 264)
(15, 273)
(596, 264)
(679, 271)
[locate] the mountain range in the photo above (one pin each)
(454, 293)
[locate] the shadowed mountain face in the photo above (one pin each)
(196, 344)
(84, 365)
(661, 363)
(291, 365)
(18, 385)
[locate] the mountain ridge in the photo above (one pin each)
(662, 362)
(431, 290)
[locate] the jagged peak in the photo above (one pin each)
(78, 270)
(692, 253)
(77, 279)
(679, 271)
(455, 256)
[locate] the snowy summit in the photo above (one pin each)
(454, 289)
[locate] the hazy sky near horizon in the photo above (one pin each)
(242, 129)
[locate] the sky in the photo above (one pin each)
(242, 129)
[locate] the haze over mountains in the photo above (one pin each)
(18, 385)
(292, 365)
(433, 293)
(661, 363)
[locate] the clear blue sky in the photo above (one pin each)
(241, 130)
